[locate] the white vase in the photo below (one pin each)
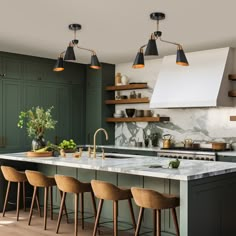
(124, 79)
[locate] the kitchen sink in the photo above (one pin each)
(117, 156)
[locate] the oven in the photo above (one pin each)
(206, 155)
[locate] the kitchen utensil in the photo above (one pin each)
(218, 146)
(188, 143)
(139, 113)
(147, 113)
(130, 112)
(166, 139)
(123, 97)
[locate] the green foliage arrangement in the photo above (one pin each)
(36, 120)
(68, 144)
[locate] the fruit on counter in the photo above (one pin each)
(174, 164)
(68, 144)
(45, 149)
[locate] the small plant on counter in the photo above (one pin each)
(37, 120)
(68, 145)
(174, 164)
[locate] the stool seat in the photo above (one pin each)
(38, 179)
(107, 191)
(12, 175)
(147, 198)
(68, 184)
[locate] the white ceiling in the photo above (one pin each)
(114, 29)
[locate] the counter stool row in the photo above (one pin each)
(144, 198)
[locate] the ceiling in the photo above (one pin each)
(114, 29)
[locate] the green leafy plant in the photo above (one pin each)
(174, 164)
(36, 120)
(68, 144)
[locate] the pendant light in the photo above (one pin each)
(70, 54)
(151, 47)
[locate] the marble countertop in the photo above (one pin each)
(134, 164)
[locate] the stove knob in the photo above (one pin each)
(184, 157)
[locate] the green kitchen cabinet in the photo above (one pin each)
(10, 106)
(96, 110)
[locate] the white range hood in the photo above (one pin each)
(204, 83)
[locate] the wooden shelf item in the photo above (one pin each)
(232, 77)
(232, 118)
(127, 87)
(127, 101)
(138, 119)
(232, 93)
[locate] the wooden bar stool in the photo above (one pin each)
(15, 176)
(37, 179)
(146, 198)
(67, 184)
(107, 191)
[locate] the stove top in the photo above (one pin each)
(193, 149)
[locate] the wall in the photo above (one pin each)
(201, 124)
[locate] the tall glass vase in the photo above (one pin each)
(38, 143)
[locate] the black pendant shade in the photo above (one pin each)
(151, 46)
(70, 55)
(59, 66)
(95, 64)
(181, 58)
(139, 60)
(151, 49)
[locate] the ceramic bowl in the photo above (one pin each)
(115, 115)
(130, 112)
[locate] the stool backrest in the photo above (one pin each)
(148, 198)
(12, 175)
(69, 184)
(105, 190)
(37, 178)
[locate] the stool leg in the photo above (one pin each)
(61, 210)
(45, 206)
(175, 221)
(158, 222)
(51, 202)
(24, 204)
(154, 222)
(82, 209)
(6, 198)
(32, 205)
(115, 214)
(18, 201)
(76, 213)
(98, 217)
(64, 207)
(94, 204)
(37, 203)
(140, 217)
(132, 213)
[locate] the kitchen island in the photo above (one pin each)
(207, 190)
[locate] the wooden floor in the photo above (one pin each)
(10, 227)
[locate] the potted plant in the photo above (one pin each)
(37, 121)
(68, 145)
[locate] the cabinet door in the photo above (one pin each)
(12, 67)
(11, 107)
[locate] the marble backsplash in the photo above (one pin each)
(203, 124)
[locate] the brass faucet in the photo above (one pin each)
(94, 139)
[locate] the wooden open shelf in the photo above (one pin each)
(127, 101)
(232, 77)
(232, 118)
(138, 119)
(127, 87)
(232, 93)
